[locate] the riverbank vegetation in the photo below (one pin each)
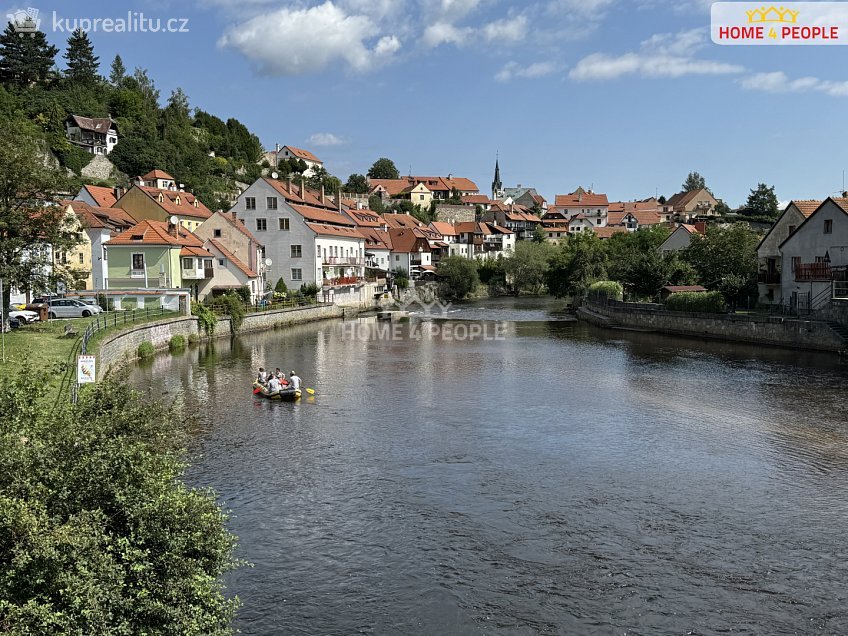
(722, 260)
(97, 532)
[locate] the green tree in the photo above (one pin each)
(117, 71)
(694, 181)
(383, 168)
(539, 234)
(579, 261)
(525, 269)
(356, 184)
(662, 200)
(375, 203)
(457, 277)
(82, 63)
(30, 217)
(25, 59)
(455, 197)
(762, 202)
(721, 208)
(97, 533)
(725, 259)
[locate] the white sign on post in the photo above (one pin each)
(86, 370)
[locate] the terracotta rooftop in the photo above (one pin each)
(300, 153)
(579, 198)
(156, 233)
(94, 124)
(104, 197)
(157, 174)
(324, 229)
(189, 205)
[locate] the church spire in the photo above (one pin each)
(497, 186)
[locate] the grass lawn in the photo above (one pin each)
(44, 345)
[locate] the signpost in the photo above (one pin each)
(86, 370)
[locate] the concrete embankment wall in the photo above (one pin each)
(122, 348)
(770, 330)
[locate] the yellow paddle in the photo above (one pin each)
(310, 391)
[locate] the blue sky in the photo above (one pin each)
(627, 96)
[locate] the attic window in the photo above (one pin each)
(138, 237)
(161, 198)
(195, 203)
(177, 200)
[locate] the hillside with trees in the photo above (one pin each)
(207, 154)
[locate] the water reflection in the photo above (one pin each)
(562, 480)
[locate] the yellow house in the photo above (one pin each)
(74, 265)
(145, 203)
(419, 194)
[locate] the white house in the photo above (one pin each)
(95, 135)
(768, 251)
(411, 251)
(814, 256)
(593, 206)
(307, 239)
(290, 152)
(378, 248)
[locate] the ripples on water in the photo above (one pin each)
(564, 480)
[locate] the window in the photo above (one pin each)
(791, 229)
(828, 226)
(271, 203)
(222, 262)
(796, 262)
(297, 274)
(81, 259)
(188, 263)
(296, 251)
(216, 233)
(249, 203)
(137, 266)
(261, 225)
(397, 257)
(421, 197)
(207, 263)
(284, 223)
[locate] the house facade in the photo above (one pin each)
(144, 202)
(680, 238)
(95, 135)
(814, 258)
(307, 239)
(99, 225)
(768, 251)
(684, 207)
(239, 253)
(291, 152)
(591, 206)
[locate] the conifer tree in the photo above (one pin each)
(83, 64)
(25, 58)
(117, 71)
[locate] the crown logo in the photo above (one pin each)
(772, 14)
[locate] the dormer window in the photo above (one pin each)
(177, 200)
(138, 237)
(161, 198)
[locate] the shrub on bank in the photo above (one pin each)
(145, 349)
(97, 532)
(176, 343)
(696, 302)
(606, 289)
(205, 317)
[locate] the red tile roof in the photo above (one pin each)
(294, 193)
(434, 184)
(99, 217)
(376, 239)
(401, 221)
(104, 197)
(300, 153)
(365, 218)
(231, 218)
(185, 207)
(476, 199)
(196, 251)
(606, 232)
(807, 206)
(406, 241)
(335, 230)
(233, 259)
(321, 215)
(443, 228)
(95, 124)
(156, 233)
(579, 199)
(157, 174)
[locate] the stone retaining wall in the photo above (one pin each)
(121, 349)
(771, 330)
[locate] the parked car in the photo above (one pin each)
(70, 308)
(22, 317)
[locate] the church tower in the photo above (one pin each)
(497, 186)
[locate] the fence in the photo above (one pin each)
(100, 323)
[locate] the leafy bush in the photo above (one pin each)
(698, 302)
(281, 287)
(243, 292)
(205, 317)
(97, 533)
(145, 349)
(457, 277)
(310, 291)
(491, 271)
(401, 277)
(176, 343)
(608, 289)
(193, 338)
(231, 305)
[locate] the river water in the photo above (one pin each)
(544, 477)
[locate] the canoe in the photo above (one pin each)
(284, 394)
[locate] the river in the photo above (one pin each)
(544, 477)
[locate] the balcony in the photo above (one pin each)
(813, 271)
(343, 260)
(768, 278)
(342, 281)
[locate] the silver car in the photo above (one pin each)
(71, 308)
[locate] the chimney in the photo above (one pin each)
(172, 229)
(323, 196)
(302, 186)
(701, 227)
(290, 184)
(118, 191)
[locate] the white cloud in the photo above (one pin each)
(512, 70)
(662, 55)
(294, 41)
(325, 140)
(506, 30)
(445, 33)
(779, 82)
